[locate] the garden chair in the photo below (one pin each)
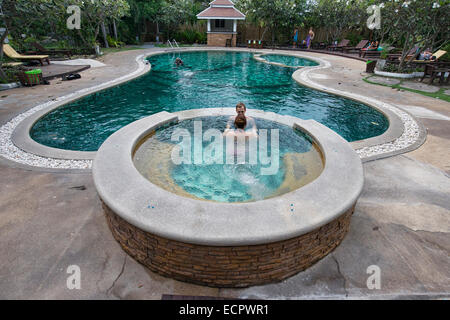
(395, 57)
(42, 50)
(434, 71)
(372, 54)
(437, 54)
(319, 45)
(359, 46)
(10, 52)
(339, 46)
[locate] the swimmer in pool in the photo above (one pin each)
(178, 62)
(240, 110)
(240, 122)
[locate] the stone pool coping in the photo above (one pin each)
(403, 134)
(128, 194)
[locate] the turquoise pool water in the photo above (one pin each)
(294, 163)
(208, 79)
(289, 60)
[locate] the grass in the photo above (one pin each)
(126, 48)
(438, 94)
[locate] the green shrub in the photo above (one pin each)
(446, 57)
(114, 43)
(190, 34)
(354, 38)
(384, 52)
(390, 67)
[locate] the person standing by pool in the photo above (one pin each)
(295, 38)
(240, 110)
(309, 38)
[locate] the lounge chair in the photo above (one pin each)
(359, 46)
(42, 50)
(372, 54)
(10, 52)
(339, 46)
(437, 54)
(395, 57)
(434, 71)
(319, 45)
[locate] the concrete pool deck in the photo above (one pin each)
(50, 220)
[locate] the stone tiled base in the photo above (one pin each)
(237, 266)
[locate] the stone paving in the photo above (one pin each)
(50, 220)
(384, 80)
(420, 86)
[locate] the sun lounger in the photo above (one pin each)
(42, 50)
(340, 45)
(395, 57)
(10, 52)
(437, 54)
(358, 47)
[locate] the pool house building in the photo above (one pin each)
(222, 19)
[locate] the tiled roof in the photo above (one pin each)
(222, 3)
(221, 13)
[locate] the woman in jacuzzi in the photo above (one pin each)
(238, 151)
(240, 122)
(243, 121)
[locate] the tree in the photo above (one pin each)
(19, 15)
(144, 10)
(94, 15)
(338, 16)
(274, 14)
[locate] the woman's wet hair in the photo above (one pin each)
(240, 122)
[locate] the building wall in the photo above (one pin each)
(219, 39)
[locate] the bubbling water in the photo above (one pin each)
(298, 157)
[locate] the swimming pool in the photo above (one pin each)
(208, 79)
(289, 61)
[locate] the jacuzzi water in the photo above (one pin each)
(207, 79)
(289, 60)
(299, 162)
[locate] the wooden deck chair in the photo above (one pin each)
(340, 45)
(358, 47)
(395, 57)
(42, 50)
(437, 54)
(13, 54)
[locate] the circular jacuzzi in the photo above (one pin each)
(211, 169)
(193, 205)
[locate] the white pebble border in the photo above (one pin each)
(9, 151)
(410, 135)
(411, 132)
